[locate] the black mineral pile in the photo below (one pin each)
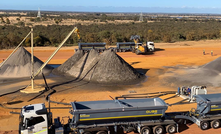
(19, 65)
(105, 68)
(214, 65)
(84, 68)
(62, 69)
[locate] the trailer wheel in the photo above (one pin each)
(158, 130)
(101, 132)
(171, 129)
(215, 124)
(204, 125)
(145, 130)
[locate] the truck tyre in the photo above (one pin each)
(101, 132)
(158, 130)
(215, 124)
(170, 129)
(133, 51)
(145, 130)
(204, 125)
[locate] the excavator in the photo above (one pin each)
(141, 48)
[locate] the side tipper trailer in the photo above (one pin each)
(124, 46)
(142, 115)
(208, 111)
(86, 47)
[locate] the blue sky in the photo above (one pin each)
(149, 6)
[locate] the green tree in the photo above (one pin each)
(2, 20)
(150, 35)
(7, 21)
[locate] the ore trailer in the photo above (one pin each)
(142, 115)
(86, 47)
(124, 46)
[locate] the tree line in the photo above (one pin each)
(158, 31)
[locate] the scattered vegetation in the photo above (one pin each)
(158, 29)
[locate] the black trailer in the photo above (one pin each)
(86, 47)
(208, 112)
(142, 115)
(124, 46)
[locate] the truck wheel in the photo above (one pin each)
(145, 130)
(101, 132)
(136, 51)
(215, 124)
(133, 51)
(158, 130)
(204, 125)
(171, 129)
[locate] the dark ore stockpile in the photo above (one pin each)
(105, 68)
(213, 65)
(112, 68)
(208, 74)
(62, 69)
(19, 65)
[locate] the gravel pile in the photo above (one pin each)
(85, 66)
(208, 74)
(105, 68)
(19, 65)
(111, 68)
(62, 69)
(214, 65)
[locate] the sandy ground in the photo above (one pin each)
(187, 54)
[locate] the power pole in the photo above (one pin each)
(39, 13)
(141, 17)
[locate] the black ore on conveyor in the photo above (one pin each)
(19, 65)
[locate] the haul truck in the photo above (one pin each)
(101, 117)
(142, 48)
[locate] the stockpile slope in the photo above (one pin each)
(107, 67)
(19, 65)
(213, 65)
(62, 69)
(111, 68)
(208, 74)
(84, 68)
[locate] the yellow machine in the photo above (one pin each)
(141, 48)
(78, 33)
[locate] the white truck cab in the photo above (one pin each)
(34, 119)
(150, 46)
